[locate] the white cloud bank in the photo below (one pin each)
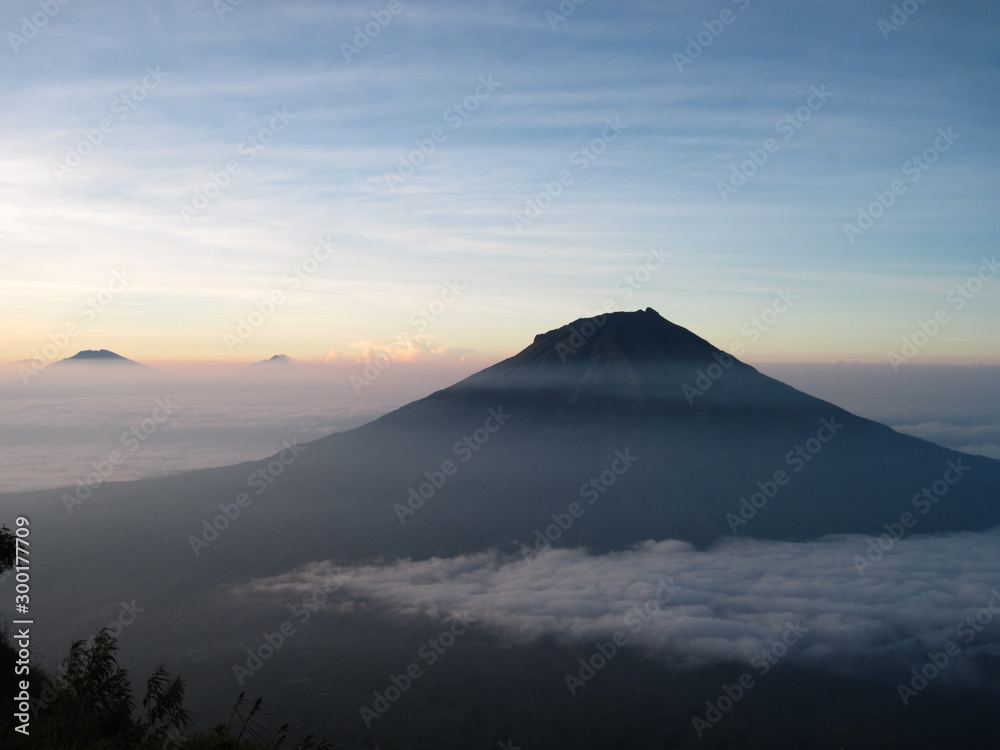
(981, 439)
(719, 605)
(54, 442)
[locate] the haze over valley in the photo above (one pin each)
(619, 490)
(511, 375)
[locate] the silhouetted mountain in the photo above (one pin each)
(652, 431)
(603, 433)
(91, 372)
(704, 429)
(276, 360)
(97, 356)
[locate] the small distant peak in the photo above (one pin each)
(277, 359)
(99, 355)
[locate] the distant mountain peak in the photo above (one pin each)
(277, 359)
(99, 355)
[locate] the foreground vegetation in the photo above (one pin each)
(91, 704)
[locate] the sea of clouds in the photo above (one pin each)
(690, 607)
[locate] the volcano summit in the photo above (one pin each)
(598, 446)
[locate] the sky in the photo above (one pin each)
(221, 181)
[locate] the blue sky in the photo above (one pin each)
(512, 105)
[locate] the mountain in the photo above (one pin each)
(603, 433)
(97, 356)
(282, 361)
(90, 372)
(279, 368)
(699, 432)
(600, 434)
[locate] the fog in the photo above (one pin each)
(956, 407)
(52, 433)
(862, 609)
(876, 618)
(184, 416)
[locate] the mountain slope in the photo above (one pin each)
(704, 429)
(602, 433)
(601, 447)
(96, 356)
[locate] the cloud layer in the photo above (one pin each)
(983, 440)
(690, 607)
(53, 442)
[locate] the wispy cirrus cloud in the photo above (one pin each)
(352, 121)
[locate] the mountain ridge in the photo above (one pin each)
(597, 455)
(509, 447)
(98, 355)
